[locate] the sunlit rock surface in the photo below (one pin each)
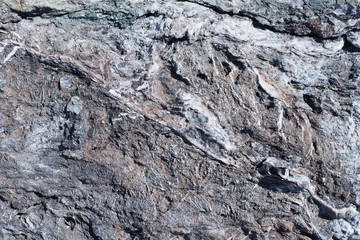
(156, 119)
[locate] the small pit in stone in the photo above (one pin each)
(70, 222)
(313, 102)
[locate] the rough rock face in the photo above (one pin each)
(156, 119)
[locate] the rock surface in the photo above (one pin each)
(153, 119)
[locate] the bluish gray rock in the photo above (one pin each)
(75, 105)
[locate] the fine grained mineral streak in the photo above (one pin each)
(164, 119)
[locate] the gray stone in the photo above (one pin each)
(2, 117)
(75, 105)
(65, 82)
(203, 119)
(342, 228)
(60, 46)
(354, 38)
(2, 85)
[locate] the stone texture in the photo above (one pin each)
(354, 38)
(179, 119)
(75, 105)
